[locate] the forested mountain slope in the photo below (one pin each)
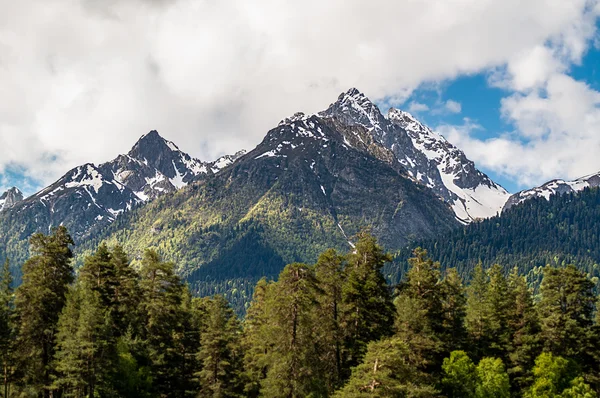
(564, 229)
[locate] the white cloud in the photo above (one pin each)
(453, 106)
(557, 135)
(416, 107)
(81, 80)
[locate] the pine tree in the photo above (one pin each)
(566, 314)
(388, 371)
(500, 303)
(38, 302)
(419, 320)
(98, 274)
(524, 328)
(477, 314)
(161, 306)
(127, 294)
(367, 308)
(453, 294)
(329, 271)
(7, 329)
(294, 369)
(256, 347)
(86, 353)
(220, 353)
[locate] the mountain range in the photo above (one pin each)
(312, 183)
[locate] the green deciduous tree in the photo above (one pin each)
(552, 375)
(492, 379)
(460, 376)
(388, 371)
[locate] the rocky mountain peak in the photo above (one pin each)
(10, 198)
(353, 107)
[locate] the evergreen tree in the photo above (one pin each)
(98, 274)
(524, 326)
(453, 294)
(294, 369)
(500, 303)
(329, 271)
(161, 305)
(220, 353)
(6, 325)
(477, 319)
(127, 294)
(256, 348)
(566, 314)
(419, 319)
(388, 371)
(86, 350)
(38, 302)
(367, 308)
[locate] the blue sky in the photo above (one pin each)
(514, 84)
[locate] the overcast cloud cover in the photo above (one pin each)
(81, 80)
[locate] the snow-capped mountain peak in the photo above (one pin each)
(91, 196)
(353, 107)
(10, 198)
(427, 156)
(554, 187)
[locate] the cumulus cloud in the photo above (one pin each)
(81, 80)
(557, 134)
(453, 106)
